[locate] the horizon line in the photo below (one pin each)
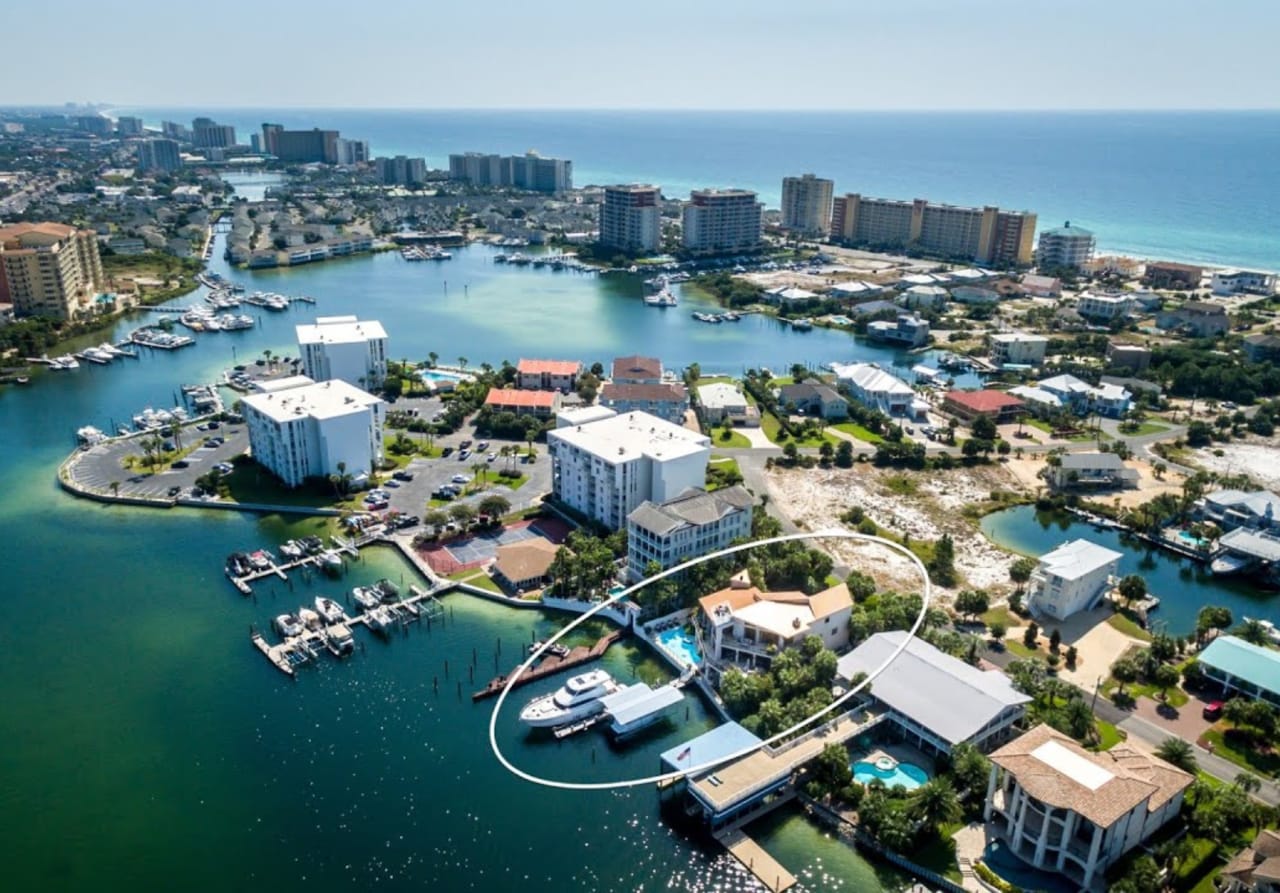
(669, 109)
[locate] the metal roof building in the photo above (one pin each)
(1243, 667)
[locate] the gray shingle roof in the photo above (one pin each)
(947, 696)
(696, 507)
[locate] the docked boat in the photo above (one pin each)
(292, 550)
(288, 625)
(380, 620)
(339, 640)
(238, 565)
(331, 561)
(387, 590)
(312, 545)
(90, 436)
(260, 560)
(367, 597)
(330, 610)
(310, 619)
(577, 699)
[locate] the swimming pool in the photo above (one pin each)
(681, 645)
(1193, 541)
(894, 774)
(433, 375)
(1000, 859)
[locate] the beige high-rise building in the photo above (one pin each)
(630, 218)
(49, 269)
(806, 204)
(985, 235)
(722, 221)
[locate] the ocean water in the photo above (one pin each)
(1197, 186)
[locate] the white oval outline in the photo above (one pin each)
(692, 770)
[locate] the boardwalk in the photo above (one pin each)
(754, 858)
(550, 665)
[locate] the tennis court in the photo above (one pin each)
(473, 551)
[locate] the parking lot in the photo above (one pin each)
(100, 466)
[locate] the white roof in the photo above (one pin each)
(318, 400)
(932, 291)
(871, 378)
(793, 293)
(1065, 383)
(945, 695)
(1075, 559)
(720, 395)
(1035, 395)
(779, 618)
(583, 415)
(340, 330)
(1019, 338)
(631, 435)
(1083, 772)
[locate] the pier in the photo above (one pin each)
(273, 570)
(756, 859)
(550, 665)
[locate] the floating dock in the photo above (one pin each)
(549, 665)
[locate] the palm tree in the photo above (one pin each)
(1253, 631)
(173, 431)
(115, 488)
(1177, 752)
(462, 363)
(935, 803)
(433, 357)
(1248, 782)
(479, 470)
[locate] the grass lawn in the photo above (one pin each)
(1196, 871)
(1016, 647)
(1108, 735)
(482, 580)
(250, 483)
(1232, 748)
(1042, 425)
(514, 483)
(1129, 627)
(735, 441)
(853, 429)
(720, 470)
(939, 854)
(1145, 428)
(1003, 615)
(770, 425)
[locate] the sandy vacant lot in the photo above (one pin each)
(817, 498)
(1260, 459)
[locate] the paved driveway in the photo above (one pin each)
(101, 465)
(411, 497)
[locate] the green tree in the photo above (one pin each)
(844, 454)
(462, 514)
(1021, 570)
(1212, 617)
(935, 803)
(435, 519)
(1253, 631)
(972, 602)
(942, 566)
(831, 769)
(984, 428)
(997, 629)
(1177, 752)
(1132, 588)
(1031, 636)
(494, 506)
(1125, 672)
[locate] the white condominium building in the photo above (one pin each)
(694, 523)
(722, 221)
(1071, 578)
(299, 428)
(344, 348)
(806, 204)
(1017, 349)
(630, 219)
(605, 469)
(1066, 247)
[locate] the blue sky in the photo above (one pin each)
(857, 54)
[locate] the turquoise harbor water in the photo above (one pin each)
(1180, 185)
(1183, 586)
(148, 746)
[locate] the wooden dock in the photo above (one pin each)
(754, 858)
(274, 570)
(549, 665)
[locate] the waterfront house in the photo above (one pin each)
(1070, 811)
(725, 402)
(924, 297)
(1229, 509)
(694, 523)
(1168, 275)
(1082, 398)
(605, 469)
(999, 406)
(1073, 577)
(908, 330)
(935, 701)
(548, 375)
(1243, 668)
(1017, 349)
(1041, 286)
(745, 626)
(1243, 282)
(877, 389)
(973, 294)
(666, 400)
(1039, 402)
(1094, 470)
(1104, 308)
(815, 399)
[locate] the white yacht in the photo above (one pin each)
(576, 699)
(330, 610)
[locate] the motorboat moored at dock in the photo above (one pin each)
(577, 699)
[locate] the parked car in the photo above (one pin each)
(403, 475)
(181, 463)
(463, 454)
(446, 452)
(174, 491)
(482, 446)
(460, 479)
(466, 444)
(491, 457)
(1212, 711)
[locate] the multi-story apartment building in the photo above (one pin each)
(806, 205)
(209, 134)
(988, 235)
(402, 171)
(630, 219)
(49, 269)
(606, 468)
(300, 429)
(351, 151)
(694, 523)
(1074, 812)
(1017, 349)
(175, 131)
(1073, 577)
(159, 155)
(639, 385)
(722, 221)
(128, 125)
(1243, 282)
(313, 146)
(1065, 247)
(548, 375)
(529, 171)
(1104, 308)
(344, 348)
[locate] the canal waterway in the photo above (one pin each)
(148, 746)
(1183, 586)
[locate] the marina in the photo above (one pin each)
(549, 666)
